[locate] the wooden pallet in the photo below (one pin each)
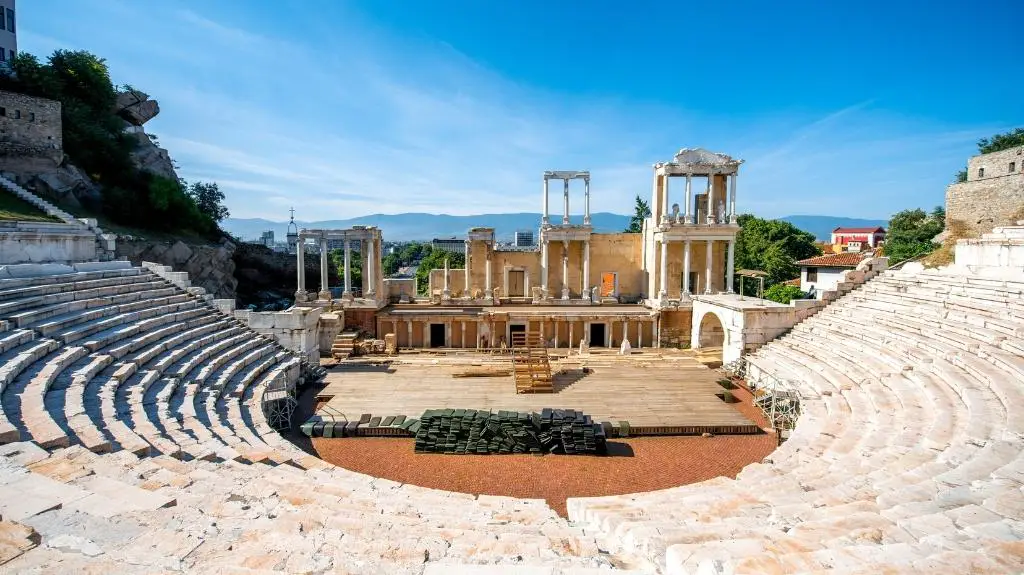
(531, 368)
(343, 344)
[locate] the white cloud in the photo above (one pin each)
(348, 121)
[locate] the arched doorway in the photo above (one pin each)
(711, 332)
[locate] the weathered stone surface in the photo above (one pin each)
(991, 198)
(136, 107)
(210, 267)
(151, 158)
(31, 128)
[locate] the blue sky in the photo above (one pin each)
(349, 108)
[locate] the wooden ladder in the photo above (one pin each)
(530, 366)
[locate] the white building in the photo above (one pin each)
(8, 31)
(822, 273)
(524, 238)
(452, 245)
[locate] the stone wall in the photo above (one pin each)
(32, 242)
(30, 127)
(992, 200)
(209, 267)
(296, 329)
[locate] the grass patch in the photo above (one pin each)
(13, 208)
(943, 255)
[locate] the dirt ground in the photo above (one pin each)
(633, 465)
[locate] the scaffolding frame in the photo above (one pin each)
(279, 402)
(779, 400)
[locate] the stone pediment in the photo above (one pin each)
(699, 157)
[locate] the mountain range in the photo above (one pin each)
(422, 227)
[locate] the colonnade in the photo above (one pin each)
(585, 286)
(708, 265)
(562, 330)
(690, 209)
(566, 177)
(369, 273)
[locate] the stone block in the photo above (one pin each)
(102, 266)
(34, 270)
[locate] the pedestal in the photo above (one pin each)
(565, 293)
(324, 296)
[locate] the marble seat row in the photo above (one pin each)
(907, 456)
(132, 419)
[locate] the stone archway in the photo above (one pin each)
(711, 332)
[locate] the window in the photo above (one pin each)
(31, 116)
(3, 111)
(981, 172)
(17, 114)
(812, 275)
(3, 23)
(3, 56)
(10, 20)
(1013, 167)
(11, 54)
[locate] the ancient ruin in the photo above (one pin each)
(138, 414)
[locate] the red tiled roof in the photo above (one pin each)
(843, 260)
(792, 282)
(858, 230)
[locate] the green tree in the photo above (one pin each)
(389, 265)
(641, 211)
(355, 265)
(209, 199)
(1001, 142)
(911, 231)
(960, 177)
(435, 260)
(783, 293)
(772, 246)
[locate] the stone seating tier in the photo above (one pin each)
(132, 438)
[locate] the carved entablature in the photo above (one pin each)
(565, 232)
(481, 235)
(698, 161)
(353, 234)
(566, 175)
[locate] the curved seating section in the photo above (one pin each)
(907, 456)
(132, 440)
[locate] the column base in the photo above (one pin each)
(733, 219)
(685, 296)
(347, 296)
(544, 293)
(565, 293)
(301, 296)
(586, 221)
(586, 295)
(446, 295)
(489, 294)
(324, 296)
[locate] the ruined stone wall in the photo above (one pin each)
(996, 164)
(29, 127)
(984, 204)
(209, 267)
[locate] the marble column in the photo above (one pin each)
(446, 292)
(663, 290)
(488, 292)
(448, 333)
(686, 267)
(408, 327)
(640, 334)
(426, 334)
(565, 199)
(348, 268)
(565, 270)
(300, 262)
(732, 198)
(542, 322)
(571, 323)
(657, 332)
(463, 322)
(371, 268)
(544, 218)
(585, 294)
(711, 199)
(689, 199)
(544, 268)
(325, 294)
(708, 268)
(664, 199)
(729, 264)
(465, 292)
(586, 201)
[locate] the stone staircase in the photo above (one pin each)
(906, 456)
(343, 344)
(104, 242)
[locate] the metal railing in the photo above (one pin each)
(779, 399)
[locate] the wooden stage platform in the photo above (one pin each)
(656, 394)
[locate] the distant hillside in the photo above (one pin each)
(822, 226)
(415, 226)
